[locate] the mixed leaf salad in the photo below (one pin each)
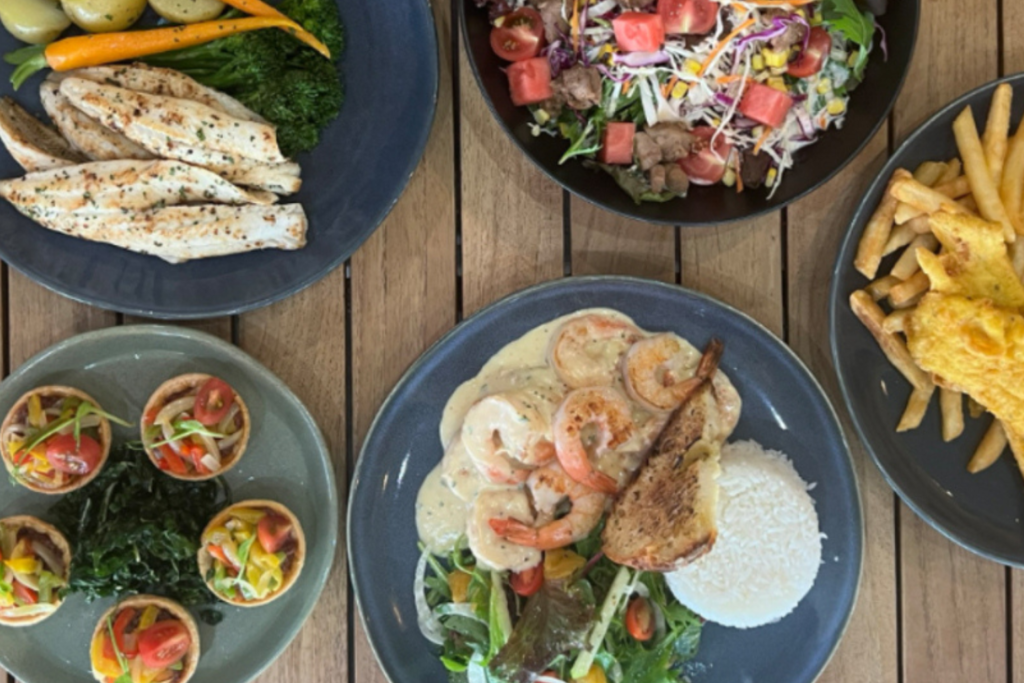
(576, 617)
(665, 93)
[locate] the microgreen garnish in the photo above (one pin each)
(186, 428)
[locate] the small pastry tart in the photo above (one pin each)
(36, 565)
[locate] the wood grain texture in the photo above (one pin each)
(604, 243)
(218, 327)
(816, 226)
(302, 341)
(953, 602)
(403, 288)
(1013, 36)
(511, 212)
(739, 263)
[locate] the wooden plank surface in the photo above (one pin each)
(604, 243)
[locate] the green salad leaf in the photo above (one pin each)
(843, 16)
(635, 184)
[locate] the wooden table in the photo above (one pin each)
(478, 221)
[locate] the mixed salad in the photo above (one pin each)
(36, 561)
(577, 617)
(664, 93)
(144, 640)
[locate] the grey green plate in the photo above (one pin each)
(287, 460)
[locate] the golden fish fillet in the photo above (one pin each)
(86, 134)
(973, 346)
(34, 145)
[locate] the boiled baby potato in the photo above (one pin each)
(33, 21)
(100, 16)
(187, 11)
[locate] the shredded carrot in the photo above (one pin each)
(730, 78)
(626, 85)
(576, 25)
(739, 181)
(761, 140)
(725, 41)
(667, 88)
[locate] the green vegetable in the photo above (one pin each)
(122, 661)
(186, 428)
(635, 184)
(283, 80)
(47, 582)
(617, 593)
(499, 620)
(843, 16)
(661, 663)
(83, 410)
(132, 534)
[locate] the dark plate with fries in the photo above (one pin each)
(941, 451)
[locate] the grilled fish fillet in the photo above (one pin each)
(276, 178)
(93, 139)
(34, 145)
(174, 128)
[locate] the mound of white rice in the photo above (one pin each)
(769, 544)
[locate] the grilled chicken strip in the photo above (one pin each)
(157, 81)
(166, 126)
(93, 139)
(34, 145)
(183, 233)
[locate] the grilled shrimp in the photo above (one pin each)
(460, 474)
(587, 350)
(658, 371)
(549, 486)
(490, 549)
(506, 436)
(591, 420)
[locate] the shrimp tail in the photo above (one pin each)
(601, 482)
(515, 531)
(708, 365)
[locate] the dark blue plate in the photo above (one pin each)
(784, 408)
(351, 181)
(982, 512)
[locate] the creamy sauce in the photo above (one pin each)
(456, 499)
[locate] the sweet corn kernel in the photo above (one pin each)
(770, 178)
(757, 62)
(816, 19)
(715, 121)
(775, 59)
(758, 131)
(680, 90)
(824, 85)
(778, 82)
(802, 12)
(729, 179)
(499, 21)
(835, 107)
(692, 66)
(777, 71)
(541, 116)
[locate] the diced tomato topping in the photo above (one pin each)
(519, 36)
(810, 60)
(25, 594)
(65, 454)
(150, 416)
(639, 31)
(765, 105)
(530, 81)
(174, 462)
(617, 145)
(688, 17)
(705, 164)
(127, 643)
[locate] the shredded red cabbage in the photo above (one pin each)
(637, 59)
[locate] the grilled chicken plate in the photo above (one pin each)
(89, 136)
(34, 145)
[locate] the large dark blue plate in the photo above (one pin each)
(783, 408)
(351, 181)
(982, 512)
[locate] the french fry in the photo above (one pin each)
(954, 169)
(905, 293)
(907, 264)
(1017, 254)
(983, 187)
(929, 172)
(876, 234)
(970, 204)
(988, 451)
(974, 409)
(923, 198)
(896, 322)
(920, 224)
(951, 404)
(1012, 184)
(901, 236)
(996, 130)
(917, 406)
(956, 188)
(906, 213)
(895, 349)
(879, 289)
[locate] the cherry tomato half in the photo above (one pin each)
(272, 531)
(26, 595)
(127, 643)
(809, 61)
(520, 35)
(528, 581)
(688, 17)
(163, 644)
(705, 165)
(74, 458)
(640, 619)
(213, 401)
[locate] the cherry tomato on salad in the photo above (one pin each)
(213, 401)
(74, 458)
(528, 581)
(640, 619)
(163, 644)
(519, 36)
(272, 531)
(530, 81)
(810, 60)
(127, 643)
(617, 143)
(639, 31)
(688, 17)
(26, 595)
(765, 105)
(705, 164)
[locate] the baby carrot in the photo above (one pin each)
(258, 8)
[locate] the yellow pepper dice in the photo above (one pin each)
(148, 617)
(35, 411)
(778, 83)
(24, 565)
(458, 583)
(824, 86)
(561, 563)
(594, 675)
(835, 107)
(691, 66)
(262, 558)
(758, 63)
(103, 666)
(248, 516)
(775, 59)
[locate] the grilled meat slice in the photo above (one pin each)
(34, 145)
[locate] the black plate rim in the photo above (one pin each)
(798, 363)
(684, 223)
(312, 278)
(853, 234)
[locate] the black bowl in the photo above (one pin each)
(812, 167)
(350, 182)
(982, 512)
